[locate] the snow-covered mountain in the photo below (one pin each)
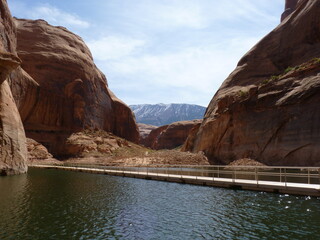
(163, 114)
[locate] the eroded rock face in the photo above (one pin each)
(94, 143)
(59, 90)
(170, 136)
(13, 151)
(266, 110)
(151, 140)
(36, 151)
(290, 6)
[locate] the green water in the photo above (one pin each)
(52, 204)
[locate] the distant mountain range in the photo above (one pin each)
(163, 114)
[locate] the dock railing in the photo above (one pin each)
(281, 174)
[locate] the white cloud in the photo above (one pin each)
(173, 14)
(57, 17)
(167, 15)
(51, 14)
(114, 47)
(162, 50)
(190, 74)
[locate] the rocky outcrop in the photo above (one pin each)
(93, 143)
(59, 90)
(290, 6)
(13, 152)
(36, 151)
(189, 142)
(151, 140)
(267, 109)
(170, 136)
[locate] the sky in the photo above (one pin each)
(161, 51)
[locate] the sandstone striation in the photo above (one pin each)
(267, 109)
(13, 152)
(59, 90)
(170, 136)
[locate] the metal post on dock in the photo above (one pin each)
(319, 176)
(285, 176)
(308, 175)
(256, 175)
(233, 175)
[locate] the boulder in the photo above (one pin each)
(36, 151)
(267, 109)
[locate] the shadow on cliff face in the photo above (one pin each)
(60, 91)
(267, 109)
(13, 151)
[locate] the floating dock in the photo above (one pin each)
(283, 187)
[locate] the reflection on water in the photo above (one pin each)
(52, 204)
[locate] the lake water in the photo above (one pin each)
(56, 204)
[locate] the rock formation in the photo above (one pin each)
(93, 143)
(151, 140)
(170, 136)
(59, 90)
(13, 151)
(36, 151)
(268, 108)
(290, 6)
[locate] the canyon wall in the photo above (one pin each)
(13, 151)
(290, 6)
(268, 108)
(170, 136)
(59, 90)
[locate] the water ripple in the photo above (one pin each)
(49, 204)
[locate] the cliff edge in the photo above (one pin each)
(267, 109)
(59, 90)
(13, 151)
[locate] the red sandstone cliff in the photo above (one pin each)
(290, 6)
(59, 90)
(13, 151)
(268, 108)
(170, 136)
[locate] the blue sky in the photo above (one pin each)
(161, 51)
